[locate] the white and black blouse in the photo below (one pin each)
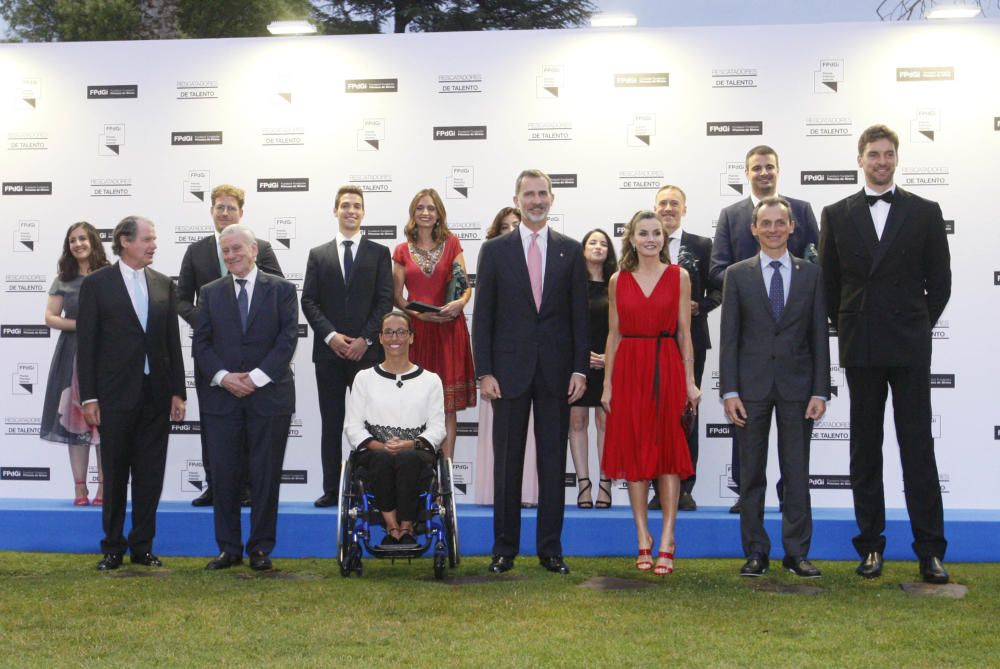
(383, 405)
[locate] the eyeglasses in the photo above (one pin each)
(225, 209)
(399, 334)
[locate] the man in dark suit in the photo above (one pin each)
(347, 290)
(692, 252)
(131, 384)
(775, 359)
(530, 345)
(887, 265)
(202, 264)
(246, 336)
(735, 242)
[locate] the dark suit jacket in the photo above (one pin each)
(734, 241)
(200, 266)
(355, 309)
(268, 344)
(884, 296)
(707, 296)
(113, 347)
(759, 354)
(510, 337)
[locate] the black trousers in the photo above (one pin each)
(794, 434)
(228, 436)
(911, 405)
(510, 429)
(133, 443)
(397, 480)
(333, 378)
(687, 485)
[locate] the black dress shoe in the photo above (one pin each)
(109, 561)
(800, 566)
(259, 561)
(328, 499)
(870, 565)
(224, 561)
(686, 502)
(554, 564)
(204, 499)
(146, 560)
(500, 564)
(735, 508)
(756, 565)
(245, 498)
(932, 570)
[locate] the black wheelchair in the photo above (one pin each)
(436, 528)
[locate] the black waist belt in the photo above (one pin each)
(664, 334)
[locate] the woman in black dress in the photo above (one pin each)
(599, 255)
(62, 417)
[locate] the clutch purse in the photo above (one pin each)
(458, 285)
(687, 419)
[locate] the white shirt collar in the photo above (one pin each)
(526, 233)
(891, 189)
(766, 260)
(251, 277)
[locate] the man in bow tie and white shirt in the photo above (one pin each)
(887, 268)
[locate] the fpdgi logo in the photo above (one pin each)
(24, 379)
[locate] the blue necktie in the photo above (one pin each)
(243, 302)
(348, 259)
(777, 293)
(141, 307)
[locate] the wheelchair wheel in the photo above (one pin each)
(344, 522)
(439, 566)
(450, 512)
(354, 559)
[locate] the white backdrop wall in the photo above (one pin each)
(109, 129)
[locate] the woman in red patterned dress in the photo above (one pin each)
(649, 379)
(424, 266)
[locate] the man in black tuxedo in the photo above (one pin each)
(775, 359)
(131, 384)
(347, 290)
(246, 336)
(530, 345)
(202, 264)
(692, 252)
(887, 265)
(735, 242)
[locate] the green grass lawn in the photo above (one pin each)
(57, 611)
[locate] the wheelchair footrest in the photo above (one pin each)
(402, 552)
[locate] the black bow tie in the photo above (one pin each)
(872, 199)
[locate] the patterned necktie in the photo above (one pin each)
(535, 269)
(777, 293)
(141, 306)
(348, 259)
(243, 302)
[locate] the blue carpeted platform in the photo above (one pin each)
(305, 531)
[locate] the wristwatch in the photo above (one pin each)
(369, 341)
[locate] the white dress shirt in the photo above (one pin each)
(880, 210)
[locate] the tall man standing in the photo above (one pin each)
(131, 384)
(887, 265)
(693, 253)
(203, 263)
(347, 290)
(735, 242)
(775, 360)
(531, 349)
(246, 336)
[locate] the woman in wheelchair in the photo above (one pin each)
(395, 423)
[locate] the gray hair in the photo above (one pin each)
(239, 228)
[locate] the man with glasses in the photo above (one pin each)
(201, 265)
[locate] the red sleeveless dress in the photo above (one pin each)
(644, 437)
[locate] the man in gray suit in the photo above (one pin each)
(775, 358)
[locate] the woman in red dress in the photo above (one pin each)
(424, 266)
(649, 379)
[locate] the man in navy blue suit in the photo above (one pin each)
(530, 341)
(246, 336)
(734, 241)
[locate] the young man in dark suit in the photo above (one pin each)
(246, 336)
(887, 265)
(735, 242)
(347, 290)
(693, 253)
(530, 345)
(131, 384)
(202, 263)
(775, 359)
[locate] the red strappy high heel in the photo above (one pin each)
(662, 569)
